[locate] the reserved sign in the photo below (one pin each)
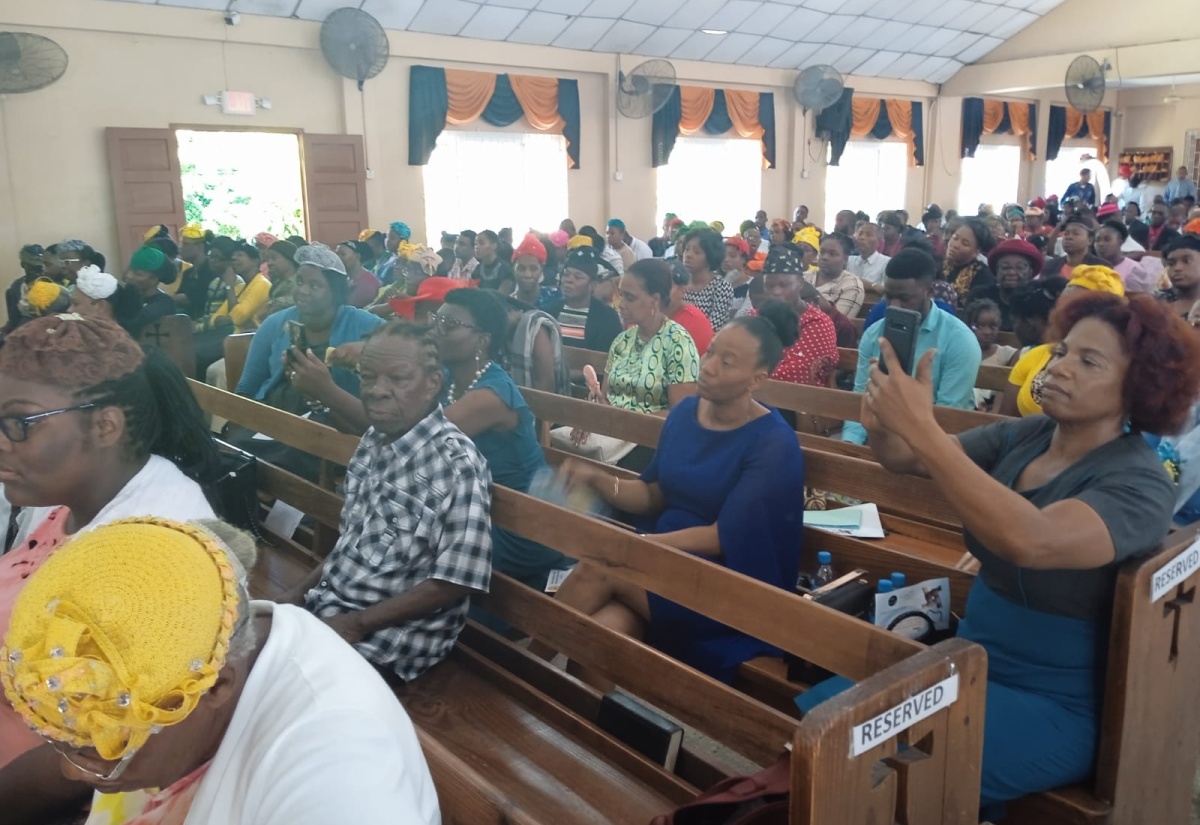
(1175, 571)
(903, 716)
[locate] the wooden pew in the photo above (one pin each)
(1151, 730)
(504, 750)
(1007, 339)
(819, 401)
(237, 347)
(173, 335)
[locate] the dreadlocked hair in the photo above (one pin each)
(98, 361)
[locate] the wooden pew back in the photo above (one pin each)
(237, 347)
(946, 784)
(173, 335)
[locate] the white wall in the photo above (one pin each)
(149, 66)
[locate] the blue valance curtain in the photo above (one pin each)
(691, 110)
(985, 117)
(1066, 122)
(437, 96)
(875, 118)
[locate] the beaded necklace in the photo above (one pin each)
(471, 386)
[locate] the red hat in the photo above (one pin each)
(1016, 246)
(1124, 170)
(1040, 203)
(739, 244)
(1107, 209)
(531, 246)
(1053, 198)
(431, 290)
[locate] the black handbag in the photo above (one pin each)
(234, 492)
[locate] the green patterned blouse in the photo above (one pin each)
(640, 373)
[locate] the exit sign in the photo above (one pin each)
(238, 103)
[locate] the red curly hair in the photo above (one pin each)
(1163, 381)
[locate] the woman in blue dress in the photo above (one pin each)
(1051, 506)
(726, 484)
(483, 401)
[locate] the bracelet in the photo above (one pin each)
(616, 487)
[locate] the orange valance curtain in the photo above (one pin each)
(1074, 121)
(468, 94)
(900, 114)
(696, 104)
(993, 114)
(864, 112)
(538, 96)
(1019, 115)
(743, 111)
(1095, 123)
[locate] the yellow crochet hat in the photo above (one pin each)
(809, 235)
(1097, 278)
(191, 232)
(578, 241)
(42, 295)
(120, 633)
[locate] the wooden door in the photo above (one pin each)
(147, 190)
(335, 187)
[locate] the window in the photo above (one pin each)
(1064, 170)
(712, 179)
(989, 177)
(872, 177)
(490, 180)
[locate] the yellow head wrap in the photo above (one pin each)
(42, 295)
(366, 233)
(1098, 278)
(120, 633)
(809, 235)
(578, 241)
(407, 250)
(719, 226)
(191, 232)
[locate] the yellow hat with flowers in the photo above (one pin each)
(578, 241)
(120, 633)
(1097, 278)
(191, 232)
(809, 235)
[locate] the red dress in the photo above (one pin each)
(814, 356)
(697, 324)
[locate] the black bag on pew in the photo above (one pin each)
(851, 594)
(234, 492)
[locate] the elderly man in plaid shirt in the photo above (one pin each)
(415, 532)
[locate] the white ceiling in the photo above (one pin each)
(925, 40)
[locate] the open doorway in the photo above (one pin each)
(242, 183)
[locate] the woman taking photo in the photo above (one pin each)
(1051, 506)
(726, 484)
(92, 429)
(707, 290)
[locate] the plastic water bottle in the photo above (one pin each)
(824, 570)
(899, 580)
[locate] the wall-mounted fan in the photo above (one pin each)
(818, 87)
(646, 89)
(1085, 83)
(354, 44)
(29, 62)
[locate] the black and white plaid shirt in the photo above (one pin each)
(417, 508)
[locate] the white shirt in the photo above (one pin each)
(317, 738)
(159, 489)
(613, 257)
(641, 250)
(869, 269)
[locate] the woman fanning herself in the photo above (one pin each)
(725, 484)
(92, 429)
(471, 330)
(1051, 505)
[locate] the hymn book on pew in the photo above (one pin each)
(648, 732)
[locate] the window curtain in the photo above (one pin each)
(692, 109)
(438, 97)
(834, 124)
(881, 119)
(1067, 122)
(985, 117)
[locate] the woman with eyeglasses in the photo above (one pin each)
(482, 400)
(92, 429)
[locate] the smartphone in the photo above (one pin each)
(900, 327)
(298, 335)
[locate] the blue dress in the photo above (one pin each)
(750, 482)
(513, 458)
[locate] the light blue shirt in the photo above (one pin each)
(1179, 189)
(955, 367)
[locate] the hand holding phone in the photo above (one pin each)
(298, 336)
(900, 328)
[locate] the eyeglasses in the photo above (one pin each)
(111, 776)
(445, 324)
(16, 427)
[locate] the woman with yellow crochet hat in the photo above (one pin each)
(136, 654)
(1027, 374)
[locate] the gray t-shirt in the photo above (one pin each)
(1123, 481)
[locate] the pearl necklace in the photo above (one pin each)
(471, 386)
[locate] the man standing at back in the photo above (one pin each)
(1083, 189)
(908, 284)
(1180, 186)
